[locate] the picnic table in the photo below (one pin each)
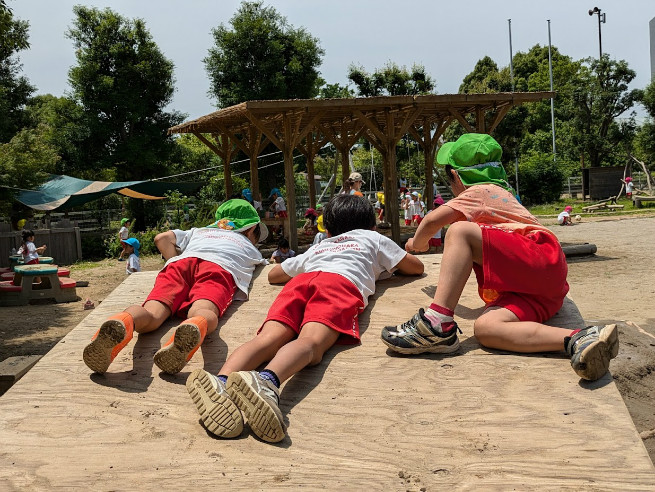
(18, 260)
(22, 289)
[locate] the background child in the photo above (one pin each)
(206, 268)
(132, 246)
(311, 216)
(327, 289)
(123, 234)
(28, 250)
(283, 251)
(564, 218)
(435, 241)
(321, 234)
(416, 208)
(629, 187)
(404, 204)
(519, 264)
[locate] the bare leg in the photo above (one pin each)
(499, 328)
(206, 309)
(148, 317)
(260, 349)
(462, 248)
(306, 350)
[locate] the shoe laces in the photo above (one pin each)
(408, 326)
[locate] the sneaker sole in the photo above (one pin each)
(263, 420)
(97, 354)
(595, 359)
(173, 358)
(218, 413)
(437, 349)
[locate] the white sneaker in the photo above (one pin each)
(217, 410)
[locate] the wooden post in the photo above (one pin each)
(227, 156)
(345, 160)
(290, 180)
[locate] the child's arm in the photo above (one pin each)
(432, 222)
(40, 250)
(167, 245)
(277, 276)
(410, 265)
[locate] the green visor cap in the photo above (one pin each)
(477, 159)
(238, 215)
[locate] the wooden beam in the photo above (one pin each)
(502, 111)
(372, 127)
(462, 120)
(480, 123)
(209, 144)
(409, 119)
(261, 126)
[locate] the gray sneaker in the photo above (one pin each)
(217, 410)
(259, 401)
(416, 336)
(591, 350)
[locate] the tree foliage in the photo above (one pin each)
(15, 89)
(260, 56)
(123, 83)
(391, 80)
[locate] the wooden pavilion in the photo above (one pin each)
(308, 124)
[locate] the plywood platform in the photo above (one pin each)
(361, 420)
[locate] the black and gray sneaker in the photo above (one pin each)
(259, 400)
(417, 336)
(591, 350)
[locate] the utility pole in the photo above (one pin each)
(601, 19)
(552, 102)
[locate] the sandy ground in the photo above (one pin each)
(613, 286)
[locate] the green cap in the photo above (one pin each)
(476, 158)
(124, 221)
(238, 215)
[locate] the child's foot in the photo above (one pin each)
(259, 401)
(417, 336)
(179, 349)
(217, 411)
(109, 340)
(591, 349)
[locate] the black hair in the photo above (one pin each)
(27, 233)
(283, 243)
(345, 213)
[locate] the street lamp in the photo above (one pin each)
(601, 18)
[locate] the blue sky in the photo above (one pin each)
(448, 37)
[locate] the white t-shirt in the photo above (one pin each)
(123, 233)
(257, 205)
(416, 208)
(406, 209)
(437, 235)
(134, 263)
(562, 216)
(279, 204)
(231, 250)
(629, 186)
(29, 253)
(284, 256)
(361, 256)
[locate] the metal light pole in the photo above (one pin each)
(601, 18)
(552, 102)
(511, 62)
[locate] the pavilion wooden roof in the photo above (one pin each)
(308, 124)
(334, 111)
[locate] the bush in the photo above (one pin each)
(541, 180)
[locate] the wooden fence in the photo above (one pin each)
(64, 243)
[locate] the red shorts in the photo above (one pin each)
(408, 222)
(523, 273)
(282, 214)
(320, 297)
(35, 261)
(434, 241)
(185, 281)
(417, 218)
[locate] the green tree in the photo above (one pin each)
(15, 89)
(601, 97)
(645, 137)
(25, 162)
(541, 179)
(260, 56)
(335, 91)
(123, 82)
(391, 80)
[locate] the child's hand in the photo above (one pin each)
(410, 247)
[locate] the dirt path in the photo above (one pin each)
(615, 285)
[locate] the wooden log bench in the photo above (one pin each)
(14, 368)
(22, 289)
(636, 200)
(360, 420)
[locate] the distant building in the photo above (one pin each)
(652, 47)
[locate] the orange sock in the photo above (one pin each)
(201, 324)
(128, 322)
